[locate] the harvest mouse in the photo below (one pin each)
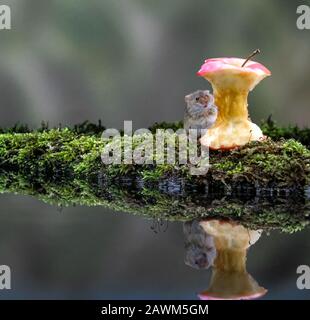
(200, 111)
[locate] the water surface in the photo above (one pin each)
(94, 253)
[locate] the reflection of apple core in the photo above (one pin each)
(231, 84)
(230, 279)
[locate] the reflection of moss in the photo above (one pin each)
(289, 216)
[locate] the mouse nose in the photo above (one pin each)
(204, 99)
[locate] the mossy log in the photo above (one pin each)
(65, 152)
(261, 184)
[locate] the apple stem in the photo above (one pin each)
(254, 53)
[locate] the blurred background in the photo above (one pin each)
(70, 61)
(75, 60)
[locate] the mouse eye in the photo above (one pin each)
(197, 99)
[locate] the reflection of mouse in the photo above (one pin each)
(200, 111)
(200, 248)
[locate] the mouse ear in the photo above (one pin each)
(187, 98)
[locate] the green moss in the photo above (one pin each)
(286, 163)
(269, 128)
(166, 125)
(229, 167)
(275, 132)
(86, 128)
(64, 152)
(156, 172)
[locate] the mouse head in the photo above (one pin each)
(201, 97)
